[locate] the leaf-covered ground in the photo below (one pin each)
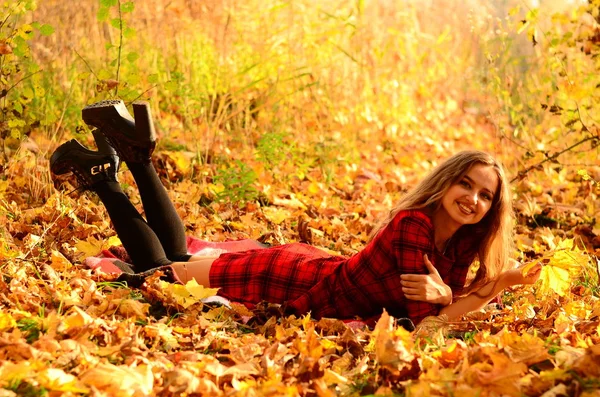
(297, 121)
(67, 329)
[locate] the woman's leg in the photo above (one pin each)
(160, 212)
(198, 270)
(134, 140)
(138, 238)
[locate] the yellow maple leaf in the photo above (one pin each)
(113, 240)
(556, 279)
(58, 261)
(500, 376)
(109, 377)
(57, 380)
(77, 318)
(5, 251)
(134, 308)
(182, 160)
(7, 321)
(179, 294)
(276, 215)
(188, 294)
(199, 291)
(560, 266)
(10, 372)
(393, 346)
(90, 247)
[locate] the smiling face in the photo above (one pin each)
(468, 200)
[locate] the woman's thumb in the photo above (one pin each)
(429, 265)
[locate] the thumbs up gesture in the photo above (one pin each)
(426, 287)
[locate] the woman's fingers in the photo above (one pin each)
(408, 284)
(409, 290)
(418, 278)
(415, 297)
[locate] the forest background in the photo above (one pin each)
(297, 121)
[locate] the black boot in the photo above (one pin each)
(89, 166)
(134, 140)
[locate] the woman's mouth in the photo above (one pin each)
(464, 209)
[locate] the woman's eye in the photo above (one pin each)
(486, 197)
(465, 184)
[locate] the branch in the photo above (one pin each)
(521, 174)
(5, 92)
(86, 63)
(120, 48)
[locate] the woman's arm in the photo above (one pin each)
(478, 299)
(426, 287)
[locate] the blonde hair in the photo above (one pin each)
(494, 231)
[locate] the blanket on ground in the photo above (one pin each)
(111, 260)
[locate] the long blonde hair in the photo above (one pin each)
(495, 230)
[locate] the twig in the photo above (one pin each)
(5, 92)
(120, 48)
(86, 64)
(142, 94)
(521, 174)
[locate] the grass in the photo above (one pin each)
(336, 69)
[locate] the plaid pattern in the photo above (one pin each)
(308, 279)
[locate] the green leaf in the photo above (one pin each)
(127, 7)
(104, 74)
(532, 14)
(133, 78)
(17, 107)
(171, 85)
(102, 14)
(21, 48)
(133, 56)
(27, 92)
(40, 91)
(34, 68)
(131, 95)
(46, 30)
(108, 46)
(128, 32)
(30, 5)
(116, 23)
(108, 3)
(26, 32)
(153, 78)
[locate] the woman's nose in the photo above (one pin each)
(473, 198)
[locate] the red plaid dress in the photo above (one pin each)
(310, 280)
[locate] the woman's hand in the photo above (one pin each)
(515, 276)
(426, 287)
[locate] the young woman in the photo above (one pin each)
(415, 264)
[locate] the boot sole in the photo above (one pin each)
(112, 117)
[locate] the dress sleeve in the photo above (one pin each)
(413, 239)
(465, 254)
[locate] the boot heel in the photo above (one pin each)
(144, 126)
(133, 140)
(102, 111)
(102, 144)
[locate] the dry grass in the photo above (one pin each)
(418, 79)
